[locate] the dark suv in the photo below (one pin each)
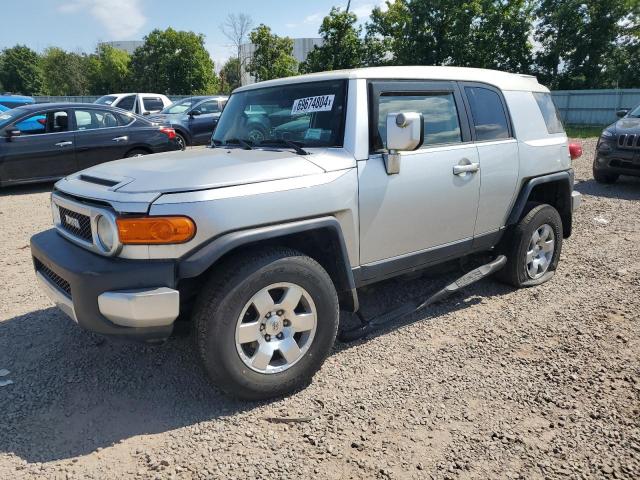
(618, 150)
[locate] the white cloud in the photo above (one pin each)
(122, 19)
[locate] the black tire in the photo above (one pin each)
(603, 177)
(222, 300)
(136, 152)
(516, 243)
(181, 141)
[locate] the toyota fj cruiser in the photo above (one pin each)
(313, 186)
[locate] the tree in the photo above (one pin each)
(272, 56)
(236, 28)
(173, 62)
(342, 45)
(65, 73)
(471, 33)
(20, 70)
(580, 39)
(109, 71)
(229, 76)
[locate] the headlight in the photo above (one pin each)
(106, 234)
(607, 134)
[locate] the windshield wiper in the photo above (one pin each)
(243, 143)
(299, 150)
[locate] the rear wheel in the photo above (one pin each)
(265, 323)
(181, 141)
(533, 247)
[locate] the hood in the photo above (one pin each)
(628, 125)
(196, 169)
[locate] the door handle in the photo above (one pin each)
(121, 139)
(64, 144)
(469, 168)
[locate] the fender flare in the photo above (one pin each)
(200, 260)
(565, 177)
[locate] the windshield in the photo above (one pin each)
(310, 114)
(9, 116)
(635, 112)
(181, 106)
(106, 100)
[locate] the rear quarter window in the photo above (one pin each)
(549, 112)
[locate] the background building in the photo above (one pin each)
(127, 45)
(301, 48)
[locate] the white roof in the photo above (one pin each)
(501, 80)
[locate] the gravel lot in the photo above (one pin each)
(535, 383)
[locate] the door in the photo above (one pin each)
(100, 136)
(202, 125)
(44, 148)
(428, 211)
(498, 152)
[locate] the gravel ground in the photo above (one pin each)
(534, 383)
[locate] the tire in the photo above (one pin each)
(136, 152)
(227, 301)
(603, 177)
(521, 269)
(181, 141)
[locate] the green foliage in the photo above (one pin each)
(273, 55)
(173, 62)
(342, 45)
(20, 70)
(64, 72)
(109, 70)
(586, 44)
(229, 76)
(478, 33)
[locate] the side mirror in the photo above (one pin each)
(13, 132)
(194, 113)
(405, 132)
(147, 113)
(622, 112)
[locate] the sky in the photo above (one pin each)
(78, 25)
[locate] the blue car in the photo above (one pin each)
(194, 119)
(33, 124)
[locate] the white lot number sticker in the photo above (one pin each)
(321, 103)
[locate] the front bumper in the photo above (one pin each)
(622, 161)
(124, 298)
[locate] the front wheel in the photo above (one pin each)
(533, 247)
(265, 322)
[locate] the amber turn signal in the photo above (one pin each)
(155, 230)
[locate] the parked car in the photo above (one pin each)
(398, 169)
(140, 103)
(68, 137)
(12, 101)
(618, 149)
(194, 119)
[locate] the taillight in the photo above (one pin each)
(575, 150)
(169, 132)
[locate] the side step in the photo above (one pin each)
(368, 326)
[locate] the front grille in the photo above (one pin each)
(629, 141)
(56, 279)
(76, 223)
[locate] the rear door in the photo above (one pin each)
(498, 152)
(202, 125)
(45, 148)
(100, 136)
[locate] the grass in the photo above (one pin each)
(583, 131)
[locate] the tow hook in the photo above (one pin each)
(369, 325)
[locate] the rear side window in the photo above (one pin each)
(439, 113)
(126, 103)
(153, 104)
(489, 117)
(549, 112)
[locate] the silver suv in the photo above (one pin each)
(313, 187)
